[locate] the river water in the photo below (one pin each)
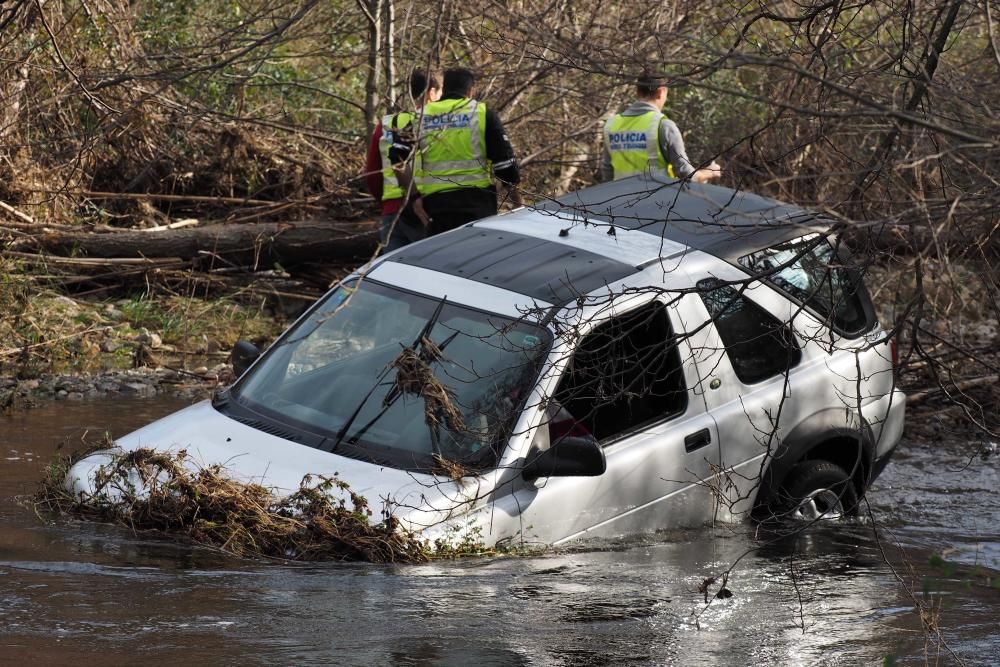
(73, 592)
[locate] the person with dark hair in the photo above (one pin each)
(642, 140)
(388, 173)
(462, 148)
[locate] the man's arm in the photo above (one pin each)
(373, 165)
(672, 147)
(606, 171)
(501, 153)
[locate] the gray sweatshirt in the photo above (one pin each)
(671, 144)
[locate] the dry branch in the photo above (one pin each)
(918, 397)
(16, 213)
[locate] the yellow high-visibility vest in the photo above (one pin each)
(391, 123)
(452, 151)
(634, 145)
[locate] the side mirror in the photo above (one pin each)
(244, 353)
(571, 456)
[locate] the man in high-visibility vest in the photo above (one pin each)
(642, 140)
(462, 147)
(388, 175)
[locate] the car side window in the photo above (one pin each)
(758, 344)
(624, 374)
(810, 271)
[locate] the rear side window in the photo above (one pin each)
(624, 374)
(809, 271)
(758, 344)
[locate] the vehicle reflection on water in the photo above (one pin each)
(83, 592)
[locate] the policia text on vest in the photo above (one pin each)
(452, 150)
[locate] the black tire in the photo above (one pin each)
(816, 490)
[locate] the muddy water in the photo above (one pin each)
(92, 594)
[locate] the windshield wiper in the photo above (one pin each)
(378, 381)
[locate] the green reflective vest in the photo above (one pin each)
(634, 145)
(452, 151)
(390, 124)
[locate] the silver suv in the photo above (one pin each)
(632, 357)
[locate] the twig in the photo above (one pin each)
(143, 196)
(17, 214)
(921, 396)
(96, 261)
(189, 222)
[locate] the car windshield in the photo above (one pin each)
(399, 379)
(809, 271)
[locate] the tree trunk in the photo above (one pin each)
(390, 53)
(929, 62)
(256, 246)
(14, 75)
(373, 12)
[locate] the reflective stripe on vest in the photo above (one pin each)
(391, 122)
(452, 147)
(633, 143)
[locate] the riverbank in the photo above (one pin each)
(57, 346)
(131, 383)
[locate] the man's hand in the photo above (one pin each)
(418, 208)
(514, 196)
(710, 173)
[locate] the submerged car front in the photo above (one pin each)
(407, 397)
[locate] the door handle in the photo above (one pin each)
(697, 440)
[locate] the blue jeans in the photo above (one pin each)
(403, 233)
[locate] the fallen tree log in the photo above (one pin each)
(257, 245)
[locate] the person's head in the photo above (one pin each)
(425, 86)
(652, 87)
(459, 81)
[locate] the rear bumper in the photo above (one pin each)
(880, 463)
(885, 417)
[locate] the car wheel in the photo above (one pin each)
(817, 490)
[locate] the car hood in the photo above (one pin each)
(250, 455)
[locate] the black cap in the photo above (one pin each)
(652, 79)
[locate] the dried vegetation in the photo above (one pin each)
(322, 520)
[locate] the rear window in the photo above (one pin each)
(809, 270)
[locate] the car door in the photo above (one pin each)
(630, 385)
(749, 364)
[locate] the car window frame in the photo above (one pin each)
(689, 394)
(236, 404)
(745, 292)
(840, 252)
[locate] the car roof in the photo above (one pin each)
(552, 272)
(720, 221)
(566, 248)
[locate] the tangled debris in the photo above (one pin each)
(149, 490)
(414, 375)
(449, 468)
